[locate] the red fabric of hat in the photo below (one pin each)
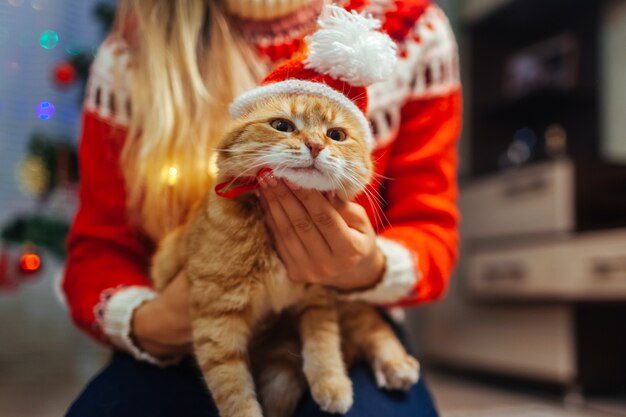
(295, 69)
(345, 55)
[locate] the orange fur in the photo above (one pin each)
(238, 282)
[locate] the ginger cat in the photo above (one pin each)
(239, 285)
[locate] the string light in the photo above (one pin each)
(45, 110)
(49, 39)
(170, 175)
(30, 262)
(212, 168)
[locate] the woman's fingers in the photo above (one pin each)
(295, 219)
(292, 249)
(354, 215)
(317, 236)
(326, 218)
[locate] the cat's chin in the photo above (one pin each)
(310, 178)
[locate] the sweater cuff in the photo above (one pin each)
(117, 321)
(401, 275)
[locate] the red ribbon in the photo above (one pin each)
(238, 186)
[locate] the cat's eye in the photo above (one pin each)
(336, 134)
(282, 125)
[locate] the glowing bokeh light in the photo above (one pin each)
(45, 110)
(30, 262)
(49, 39)
(72, 50)
(170, 175)
(16, 3)
(212, 167)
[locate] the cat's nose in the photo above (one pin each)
(315, 148)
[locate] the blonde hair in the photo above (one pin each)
(187, 67)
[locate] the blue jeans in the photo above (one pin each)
(129, 388)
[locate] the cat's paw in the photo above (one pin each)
(398, 373)
(333, 394)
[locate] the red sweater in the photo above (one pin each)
(416, 117)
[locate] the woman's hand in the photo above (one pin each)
(162, 326)
(323, 242)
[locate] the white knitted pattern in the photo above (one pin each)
(348, 47)
(246, 102)
(429, 68)
(108, 89)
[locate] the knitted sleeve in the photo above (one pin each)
(422, 198)
(106, 274)
(105, 254)
(417, 130)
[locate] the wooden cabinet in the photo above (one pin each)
(588, 267)
(540, 291)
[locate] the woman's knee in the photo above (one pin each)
(127, 387)
(371, 401)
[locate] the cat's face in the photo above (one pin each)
(308, 140)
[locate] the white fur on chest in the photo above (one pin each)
(280, 291)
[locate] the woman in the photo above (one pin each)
(156, 105)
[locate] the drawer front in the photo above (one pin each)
(589, 267)
(513, 274)
(538, 199)
(596, 266)
(524, 341)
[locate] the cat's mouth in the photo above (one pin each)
(310, 169)
(306, 176)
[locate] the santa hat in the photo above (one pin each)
(344, 56)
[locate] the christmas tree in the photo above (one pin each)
(49, 174)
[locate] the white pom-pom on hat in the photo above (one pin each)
(348, 47)
(345, 55)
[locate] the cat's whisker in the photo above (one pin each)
(238, 148)
(379, 214)
(378, 201)
(339, 185)
(380, 175)
(251, 168)
(378, 196)
(252, 153)
(374, 176)
(377, 175)
(374, 198)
